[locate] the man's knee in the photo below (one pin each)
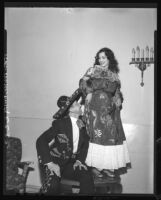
(85, 173)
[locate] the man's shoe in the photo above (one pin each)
(108, 173)
(97, 173)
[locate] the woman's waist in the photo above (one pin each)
(103, 93)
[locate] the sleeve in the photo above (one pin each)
(89, 73)
(85, 86)
(85, 83)
(42, 143)
(118, 96)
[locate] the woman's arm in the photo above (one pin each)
(85, 83)
(118, 98)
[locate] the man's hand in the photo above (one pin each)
(79, 164)
(54, 168)
(80, 123)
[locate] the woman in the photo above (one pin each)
(107, 153)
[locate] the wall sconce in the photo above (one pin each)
(142, 62)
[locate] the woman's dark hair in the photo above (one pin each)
(113, 64)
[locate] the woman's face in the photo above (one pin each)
(103, 60)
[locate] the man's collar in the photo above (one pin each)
(73, 118)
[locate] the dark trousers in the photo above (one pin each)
(83, 176)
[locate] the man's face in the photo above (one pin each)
(76, 108)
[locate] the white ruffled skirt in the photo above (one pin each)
(108, 157)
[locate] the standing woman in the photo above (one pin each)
(108, 153)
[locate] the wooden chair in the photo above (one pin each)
(15, 181)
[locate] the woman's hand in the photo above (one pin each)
(86, 78)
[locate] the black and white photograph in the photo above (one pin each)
(80, 100)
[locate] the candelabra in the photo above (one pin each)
(142, 62)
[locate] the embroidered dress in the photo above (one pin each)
(108, 147)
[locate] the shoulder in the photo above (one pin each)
(61, 121)
(113, 75)
(55, 123)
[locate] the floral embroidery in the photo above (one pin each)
(98, 133)
(64, 148)
(102, 96)
(55, 152)
(102, 105)
(117, 98)
(109, 120)
(64, 155)
(62, 138)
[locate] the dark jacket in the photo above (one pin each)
(56, 143)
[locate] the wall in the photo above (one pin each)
(49, 49)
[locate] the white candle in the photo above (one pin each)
(142, 53)
(147, 52)
(138, 52)
(151, 53)
(133, 54)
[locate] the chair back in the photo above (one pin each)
(13, 158)
(13, 153)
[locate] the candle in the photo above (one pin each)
(151, 53)
(133, 54)
(138, 52)
(147, 53)
(142, 53)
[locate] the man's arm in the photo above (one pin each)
(42, 144)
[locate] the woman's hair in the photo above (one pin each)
(113, 64)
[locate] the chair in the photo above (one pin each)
(15, 182)
(102, 186)
(69, 186)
